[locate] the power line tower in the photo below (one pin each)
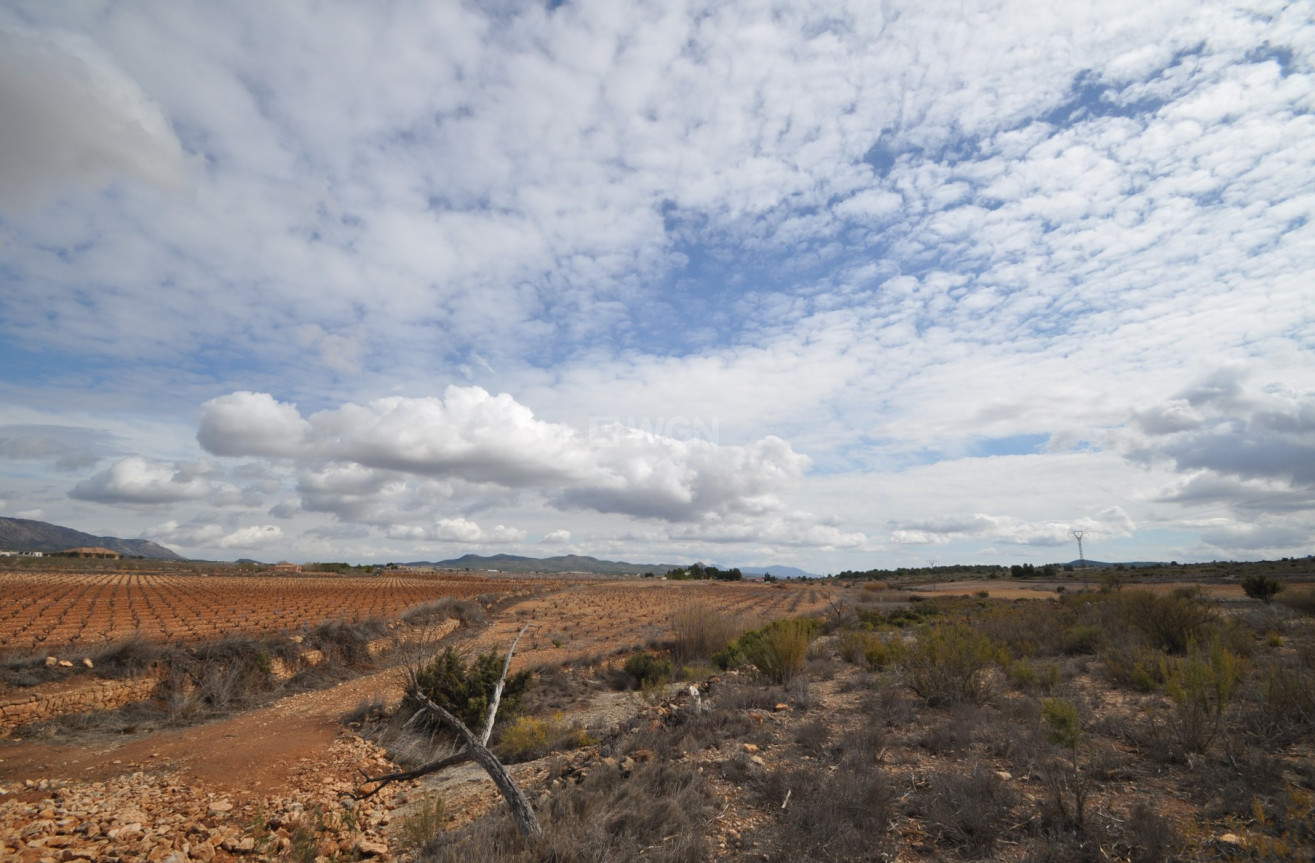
(1082, 558)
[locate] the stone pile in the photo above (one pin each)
(159, 816)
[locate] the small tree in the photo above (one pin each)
(1261, 587)
(1065, 729)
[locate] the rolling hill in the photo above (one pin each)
(22, 534)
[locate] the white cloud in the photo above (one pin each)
(214, 536)
(247, 423)
(556, 537)
(884, 266)
(133, 480)
(457, 529)
(73, 115)
(358, 455)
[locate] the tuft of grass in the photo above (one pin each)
(700, 631)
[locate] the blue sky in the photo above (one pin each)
(833, 285)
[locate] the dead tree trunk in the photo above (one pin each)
(476, 750)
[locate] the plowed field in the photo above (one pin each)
(49, 610)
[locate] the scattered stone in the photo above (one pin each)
(781, 706)
(86, 660)
(51, 662)
(1231, 839)
(1004, 775)
(750, 747)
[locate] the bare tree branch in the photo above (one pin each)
(401, 776)
(476, 750)
(487, 731)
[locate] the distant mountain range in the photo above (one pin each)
(580, 563)
(23, 534)
(562, 563)
(778, 571)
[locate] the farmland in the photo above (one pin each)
(1186, 710)
(55, 609)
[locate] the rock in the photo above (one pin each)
(65, 663)
(367, 848)
(750, 747)
(758, 759)
(86, 660)
(1004, 775)
(1231, 839)
(781, 706)
(51, 662)
(219, 807)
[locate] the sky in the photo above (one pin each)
(821, 284)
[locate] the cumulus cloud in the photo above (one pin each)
(358, 457)
(457, 529)
(211, 535)
(73, 115)
(556, 537)
(247, 423)
(134, 480)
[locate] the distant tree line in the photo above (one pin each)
(974, 569)
(702, 572)
(337, 566)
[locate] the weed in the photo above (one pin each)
(422, 827)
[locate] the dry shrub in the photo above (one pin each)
(530, 737)
(838, 814)
(700, 631)
(1171, 623)
(1151, 837)
(660, 813)
(874, 649)
(779, 649)
(1279, 705)
(1300, 601)
(952, 664)
(967, 811)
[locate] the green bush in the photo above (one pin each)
(1173, 622)
(951, 664)
(1134, 666)
(870, 648)
(778, 650)
(645, 668)
(1201, 685)
(464, 689)
(1261, 587)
